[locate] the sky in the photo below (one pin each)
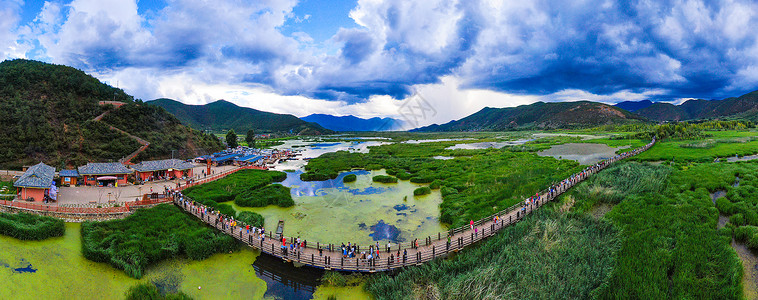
(376, 57)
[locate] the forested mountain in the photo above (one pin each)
(539, 115)
(47, 111)
(745, 106)
(353, 123)
(222, 115)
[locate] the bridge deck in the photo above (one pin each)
(429, 248)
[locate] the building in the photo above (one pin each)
(162, 169)
(104, 174)
(69, 177)
(36, 183)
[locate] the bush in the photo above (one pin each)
(747, 235)
(24, 226)
(250, 188)
(275, 194)
(424, 190)
(435, 185)
(349, 178)
(251, 218)
(317, 176)
(149, 236)
(148, 291)
(403, 175)
(229, 187)
(384, 179)
(737, 220)
(337, 279)
(448, 191)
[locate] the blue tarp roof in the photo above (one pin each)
(250, 158)
(225, 158)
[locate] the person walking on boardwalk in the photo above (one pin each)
(471, 224)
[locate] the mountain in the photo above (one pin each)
(222, 115)
(352, 123)
(539, 115)
(49, 113)
(745, 106)
(634, 105)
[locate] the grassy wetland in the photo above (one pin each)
(677, 222)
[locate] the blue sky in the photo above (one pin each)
(369, 57)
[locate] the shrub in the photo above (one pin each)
(275, 194)
(251, 218)
(337, 279)
(403, 175)
(737, 220)
(227, 188)
(384, 179)
(747, 235)
(448, 191)
(435, 185)
(349, 178)
(148, 291)
(24, 226)
(149, 236)
(424, 190)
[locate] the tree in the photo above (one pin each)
(250, 138)
(231, 139)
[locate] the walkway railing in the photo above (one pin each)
(329, 256)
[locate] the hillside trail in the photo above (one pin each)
(126, 159)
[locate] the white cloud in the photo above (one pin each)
(9, 18)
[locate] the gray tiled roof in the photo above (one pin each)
(156, 165)
(68, 173)
(103, 169)
(37, 176)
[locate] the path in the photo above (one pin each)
(329, 256)
(144, 143)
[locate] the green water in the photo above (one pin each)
(335, 215)
(62, 272)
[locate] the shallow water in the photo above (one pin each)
(313, 149)
(487, 145)
(362, 211)
(744, 158)
(750, 267)
(60, 271)
(584, 153)
(435, 140)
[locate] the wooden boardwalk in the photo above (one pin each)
(419, 251)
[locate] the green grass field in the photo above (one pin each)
(722, 144)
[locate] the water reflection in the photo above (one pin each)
(299, 188)
(285, 281)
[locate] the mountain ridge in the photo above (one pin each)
(745, 106)
(539, 115)
(353, 123)
(222, 115)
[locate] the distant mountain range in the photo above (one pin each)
(539, 115)
(745, 106)
(223, 115)
(352, 123)
(634, 105)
